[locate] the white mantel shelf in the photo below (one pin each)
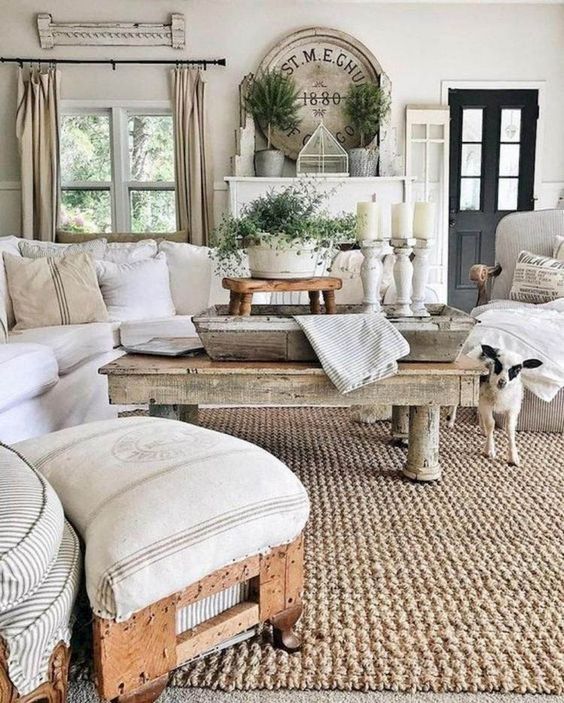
(345, 191)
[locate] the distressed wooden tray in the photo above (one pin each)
(271, 334)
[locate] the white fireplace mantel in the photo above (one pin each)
(347, 192)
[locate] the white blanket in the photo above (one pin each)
(531, 331)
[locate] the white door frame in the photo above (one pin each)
(540, 86)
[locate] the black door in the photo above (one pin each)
(492, 169)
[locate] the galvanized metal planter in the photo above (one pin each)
(270, 333)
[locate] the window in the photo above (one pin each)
(471, 158)
(117, 170)
(509, 154)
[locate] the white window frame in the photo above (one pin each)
(120, 186)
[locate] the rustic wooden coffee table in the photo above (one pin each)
(174, 388)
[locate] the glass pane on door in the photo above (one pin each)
(472, 119)
(509, 160)
(510, 125)
(507, 193)
(471, 160)
(469, 193)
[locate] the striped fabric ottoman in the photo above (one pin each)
(192, 538)
(40, 567)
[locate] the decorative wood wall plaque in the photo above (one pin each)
(324, 63)
(110, 33)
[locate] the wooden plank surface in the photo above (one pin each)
(216, 630)
(256, 285)
(145, 365)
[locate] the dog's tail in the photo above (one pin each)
(451, 417)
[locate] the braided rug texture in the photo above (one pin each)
(445, 587)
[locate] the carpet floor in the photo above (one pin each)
(456, 586)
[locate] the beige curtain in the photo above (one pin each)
(37, 130)
(192, 161)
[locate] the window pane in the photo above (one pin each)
(153, 211)
(471, 160)
(436, 131)
(509, 160)
(507, 194)
(510, 125)
(469, 193)
(85, 148)
(472, 124)
(151, 148)
(85, 211)
(418, 131)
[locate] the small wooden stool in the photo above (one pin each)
(242, 289)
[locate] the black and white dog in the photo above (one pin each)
(501, 392)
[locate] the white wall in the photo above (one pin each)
(418, 45)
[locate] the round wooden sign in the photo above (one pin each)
(324, 63)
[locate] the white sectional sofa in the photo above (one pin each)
(49, 375)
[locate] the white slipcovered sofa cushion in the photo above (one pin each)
(26, 371)
(139, 331)
(31, 528)
(71, 344)
(34, 627)
(160, 504)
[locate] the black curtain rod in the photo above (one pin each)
(116, 62)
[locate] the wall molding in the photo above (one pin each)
(53, 34)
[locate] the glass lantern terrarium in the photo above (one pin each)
(322, 155)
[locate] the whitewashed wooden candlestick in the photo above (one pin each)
(420, 275)
(371, 272)
(403, 275)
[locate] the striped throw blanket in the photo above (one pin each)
(354, 350)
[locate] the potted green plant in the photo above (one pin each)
(272, 99)
(285, 234)
(365, 107)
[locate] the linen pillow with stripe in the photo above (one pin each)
(54, 291)
(33, 628)
(31, 528)
(35, 250)
(170, 503)
(537, 279)
(558, 252)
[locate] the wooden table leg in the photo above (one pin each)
(314, 302)
(246, 304)
(184, 413)
(329, 300)
(423, 451)
(234, 303)
(400, 425)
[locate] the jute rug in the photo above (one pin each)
(447, 587)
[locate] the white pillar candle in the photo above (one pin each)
(367, 221)
(424, 220)
(402, 221)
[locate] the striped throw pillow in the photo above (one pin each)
(558, 252)
(31, 528)
(537, 279)
(54, 291)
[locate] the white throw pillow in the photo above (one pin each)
(190, 269)
(32, 249)
(128, 252)
(558, 252)
(537, 279)
(136, 291)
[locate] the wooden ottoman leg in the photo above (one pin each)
(246, 304)
(329, 300)
(234, 303)
(400, 425)
(314, 302)
(132, 659)
(280, 585)
(423, 452)
(184, 413)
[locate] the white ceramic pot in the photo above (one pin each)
(298, 261)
